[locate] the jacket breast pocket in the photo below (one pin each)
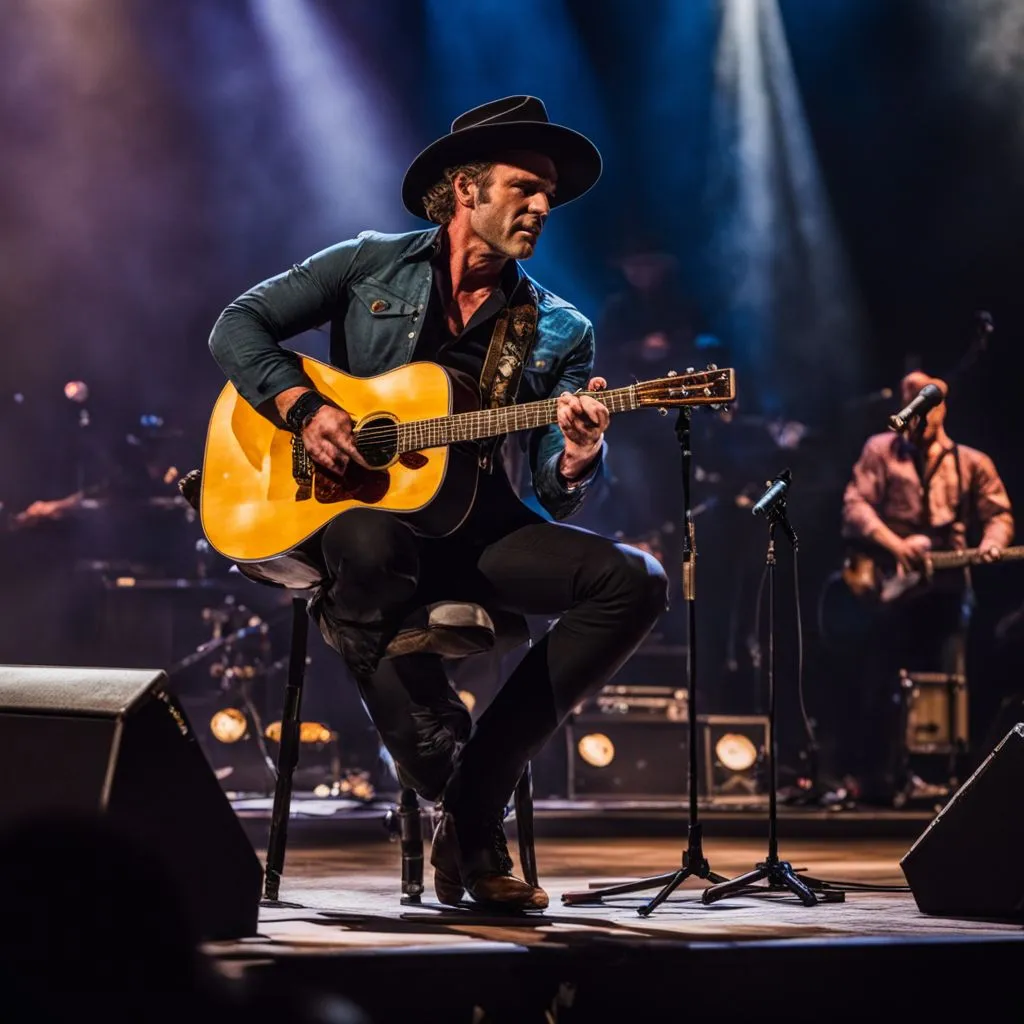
(540, 374)
(380, 302)
(380, 329)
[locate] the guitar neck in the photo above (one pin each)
(970, 556)
(483, 423)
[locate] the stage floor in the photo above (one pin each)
(766, 955)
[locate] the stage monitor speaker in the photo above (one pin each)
(967, 862)
(116, 742)
(1010, 712)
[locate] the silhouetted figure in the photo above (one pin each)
(93, 925)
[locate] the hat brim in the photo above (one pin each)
(575, 157)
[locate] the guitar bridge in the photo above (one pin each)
(302, 470)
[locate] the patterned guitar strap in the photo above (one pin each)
(511, 342)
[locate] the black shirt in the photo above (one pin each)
(467, 350)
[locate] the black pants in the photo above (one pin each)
(927, 634)
(606, 598)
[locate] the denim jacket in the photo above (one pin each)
(373, 290)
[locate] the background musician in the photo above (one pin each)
(910, 493)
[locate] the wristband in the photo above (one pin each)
(302, 409)
(577, 482)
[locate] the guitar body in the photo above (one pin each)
(260, 498)
(870, 585)
(418, 426)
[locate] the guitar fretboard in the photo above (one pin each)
(971, 556)
(473, 426)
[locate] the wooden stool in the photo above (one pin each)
(452, 629)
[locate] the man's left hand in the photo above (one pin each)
(583, 421)
(991, 553)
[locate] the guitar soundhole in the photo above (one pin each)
(377, 441)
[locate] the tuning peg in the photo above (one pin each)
(672, 373)
(689, 369)
(712, 366)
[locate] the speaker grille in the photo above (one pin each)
(107, 692)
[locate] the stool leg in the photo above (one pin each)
(288, 756)
(410, 835)
(524, 825)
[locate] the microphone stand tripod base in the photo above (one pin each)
(693, 861)
(780, 876)
(695, 864)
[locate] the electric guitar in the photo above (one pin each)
(261, 495)
(870, 582)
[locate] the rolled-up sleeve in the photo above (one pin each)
(992, 504)
(864, 493)
(246, 338)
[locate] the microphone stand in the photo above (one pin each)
(694, 861)
(778, 873)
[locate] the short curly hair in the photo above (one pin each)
(439, 202)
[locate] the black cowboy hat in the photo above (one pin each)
(488, 131)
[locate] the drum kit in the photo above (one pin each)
(149, 591)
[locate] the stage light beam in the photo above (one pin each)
(777, 248)
(342, 125)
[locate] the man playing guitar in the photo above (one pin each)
(456, 295)
(910, 494)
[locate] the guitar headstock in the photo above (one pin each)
(712, 386)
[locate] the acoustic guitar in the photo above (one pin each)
(870, 583)
(261, 495)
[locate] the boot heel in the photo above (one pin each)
(448, 890)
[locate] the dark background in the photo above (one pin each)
(159, 159)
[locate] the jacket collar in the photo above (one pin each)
(424, 246)
(429, 243)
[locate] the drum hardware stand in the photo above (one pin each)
(779, 874)
(694, 862)
(237, 677)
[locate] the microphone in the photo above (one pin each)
(776, 490)
(927, 398)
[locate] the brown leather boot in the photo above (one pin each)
(480, 863)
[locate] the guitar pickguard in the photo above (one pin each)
(365, 485)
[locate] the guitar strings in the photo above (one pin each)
(386, 434)
(391, 428)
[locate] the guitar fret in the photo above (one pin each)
(484, 423)
(970, 556)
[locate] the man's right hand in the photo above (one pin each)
(910, 552)
(330, 441)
